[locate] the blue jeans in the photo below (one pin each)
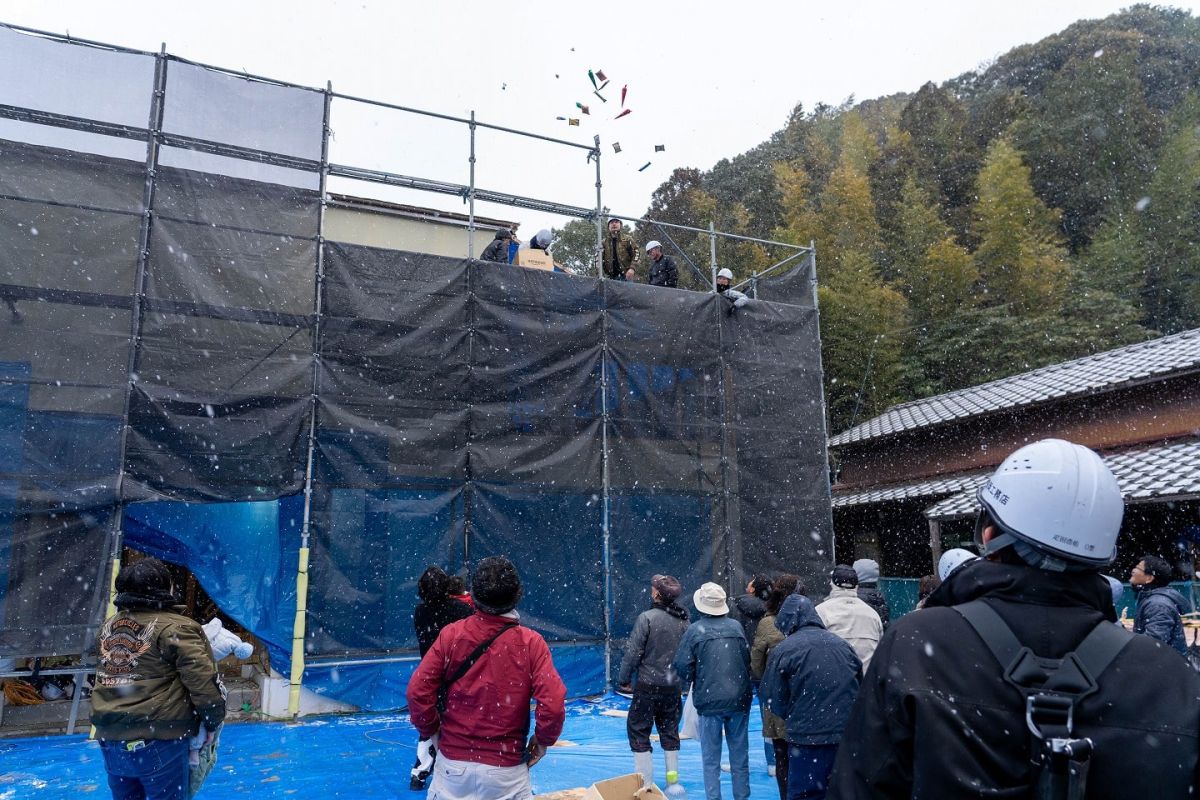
(155, 769)
(809, 766)
(735, 728)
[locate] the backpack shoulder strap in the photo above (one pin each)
(993, 630)
(1100, 647)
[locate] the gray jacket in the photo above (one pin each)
(651, 647)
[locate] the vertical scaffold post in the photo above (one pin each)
(299, 625)
(471, 195)
(157, 102)
(605, 507)
(599, 213)
(712, 252)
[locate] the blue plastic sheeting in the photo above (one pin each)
(243, 554)
(360, 756)
(381, 686)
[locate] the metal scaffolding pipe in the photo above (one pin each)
(299, 624)
(471, 194)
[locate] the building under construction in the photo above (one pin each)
(193, 366)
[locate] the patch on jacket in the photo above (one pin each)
(123, 641)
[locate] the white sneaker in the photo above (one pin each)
(726, 768)
(771, 770)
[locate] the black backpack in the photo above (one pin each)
(1051, 688)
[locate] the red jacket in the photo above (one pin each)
(487, 709)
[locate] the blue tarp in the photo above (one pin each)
(244, 555)
(360, 756)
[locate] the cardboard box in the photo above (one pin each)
(535, 259)
(626, 787)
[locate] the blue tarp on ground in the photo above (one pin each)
(360, 756)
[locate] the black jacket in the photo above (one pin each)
(750, 610)
(869, 593)
(935, 719)
(497, 250)
(663, 272)
(651, 647)
(811, 677)
(430, 619)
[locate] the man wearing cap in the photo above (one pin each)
(975, 696)
(620, 256)
(482, 723)
(845, 614)
(497, 250)
(662, 267)
(714, 659)
(648, 653)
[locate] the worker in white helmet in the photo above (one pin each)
(725, 289)
(1012, 681)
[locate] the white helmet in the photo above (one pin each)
(725, 273)
(653, 243)
(952, 560)
(1057, 502)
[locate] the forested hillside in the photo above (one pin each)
(1043, 208)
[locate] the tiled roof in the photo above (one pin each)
(1154, 473)
(1106, 371)
(934, 487)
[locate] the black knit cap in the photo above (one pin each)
(147, 576)
(496, 586)
(844, 576)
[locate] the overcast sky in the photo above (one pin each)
(708, 80)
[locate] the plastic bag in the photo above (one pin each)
(689, 728)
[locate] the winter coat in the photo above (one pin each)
(428, 620)
(853, 620)
(487, 710)
(765, 639)
(497, 250)
(750, 610)
(812, 676)
(1158, 617)
(714, 659)
(156, 677)
(651, 647)
(869, 593)
(626, 255)
(935, 717)
(664, 272)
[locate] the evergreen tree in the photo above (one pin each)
(1170, 228)
(1020, 258)
(1090, 144)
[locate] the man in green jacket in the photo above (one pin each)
(155, 682)
(620, 253)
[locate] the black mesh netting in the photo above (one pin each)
(462, 409)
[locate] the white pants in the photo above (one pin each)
(466, 780)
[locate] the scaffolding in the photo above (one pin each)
(311, 163)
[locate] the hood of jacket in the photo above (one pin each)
(1167, 592)
(1023, 584)
(797, 612)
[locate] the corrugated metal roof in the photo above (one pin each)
(1102, 372)
(1155, 473)
(933, 487)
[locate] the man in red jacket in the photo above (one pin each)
(482, 749)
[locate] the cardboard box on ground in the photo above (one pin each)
(626, 787)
